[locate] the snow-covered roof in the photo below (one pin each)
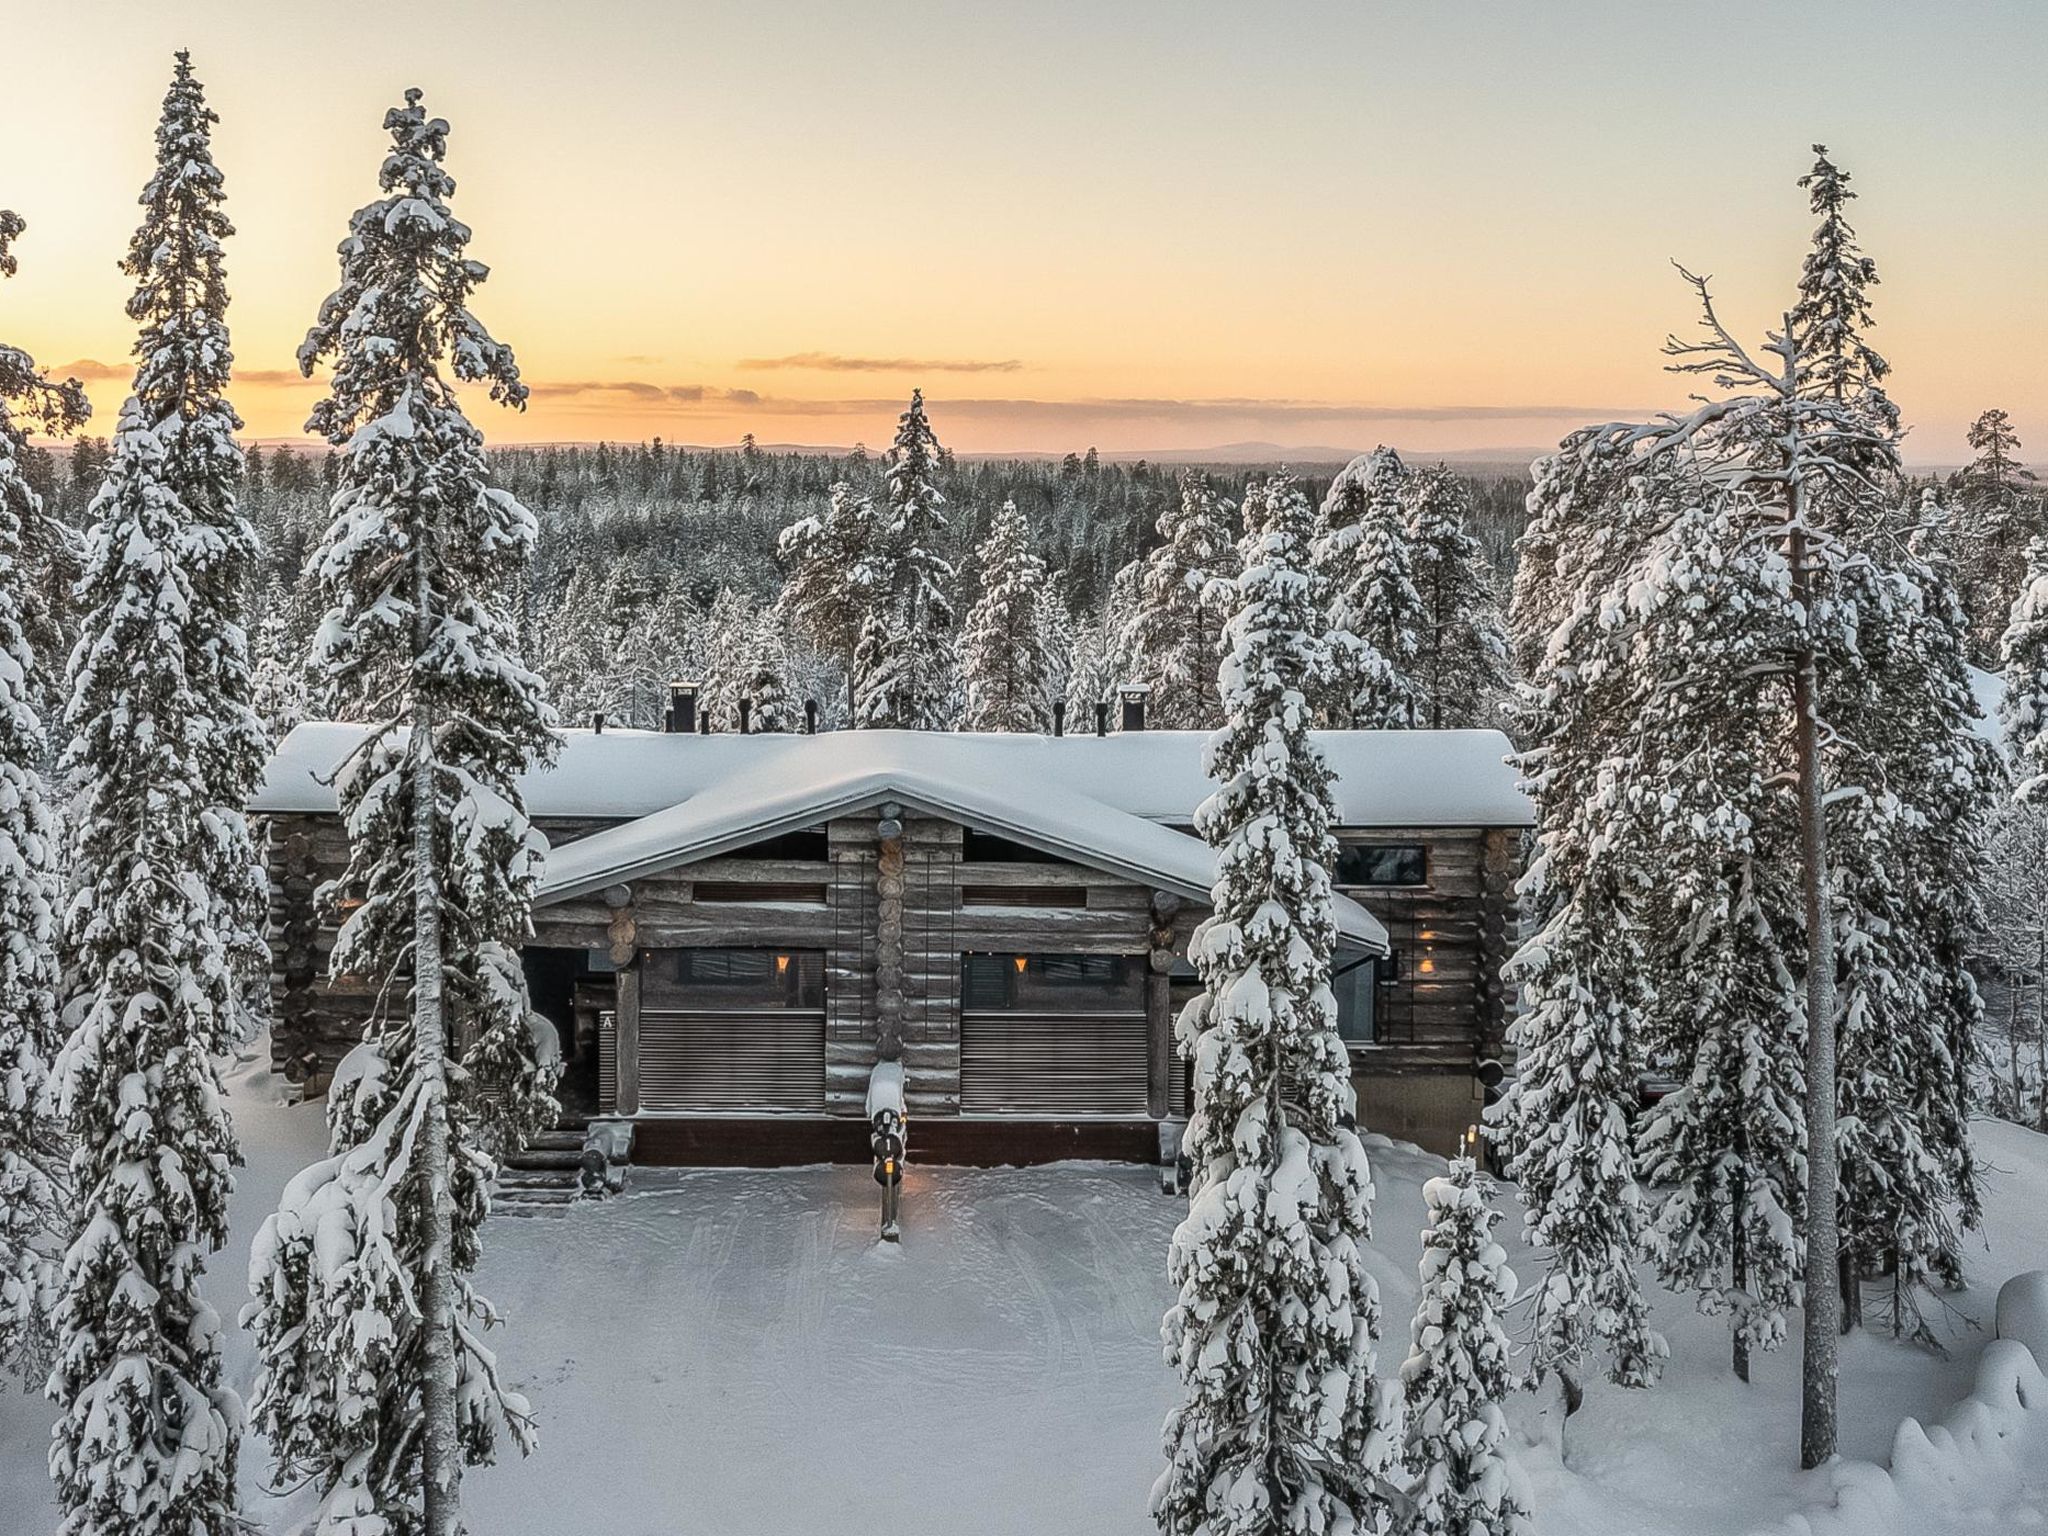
(1383, 778)
(799, 786)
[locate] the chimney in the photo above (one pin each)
(597, 723)
(703, 722)
(746, 715)
(1059, 717)
(1134, 696)
(1102, 717)
(810, 717)
(682, 709)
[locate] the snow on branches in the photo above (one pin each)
(1003, 661)
(371, 1385)
(1457, 1375)
(1282, 1426)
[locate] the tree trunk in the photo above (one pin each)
(1818, 1363)
(2012, 1046)
(1738, 1263)
(440, 1449)
(2041, 1020)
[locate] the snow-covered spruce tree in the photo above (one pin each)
(1916, 787)
(373, 1384)
(32, 1149)
(162, 931)
(2023, 659)
(1566, 1124)
(825, 595)
(766, 685)
(1362, 556)
(180, 302)
(1998, 516)
(1461, 655)
(1725, 1152)
(902, 657)
(279, 674)
(1282, 1426)
(1177, 631)
(1003, 663)
(1456, 1375)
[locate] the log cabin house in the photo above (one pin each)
(734, 928)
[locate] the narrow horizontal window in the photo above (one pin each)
(760, 890)
(1023, 896)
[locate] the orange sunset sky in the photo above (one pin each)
(1141, 226)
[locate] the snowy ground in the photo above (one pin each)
(731, 1351)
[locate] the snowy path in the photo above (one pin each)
(730, 1351)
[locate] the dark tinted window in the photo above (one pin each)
(1053, 983)
(1383, 864)
(720, 979)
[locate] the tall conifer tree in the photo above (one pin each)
(1282, 1426)
(1363, 558)
(1003, 659)
(160, 928)
(32, 1150)
(1176, 634)
(1461, 651)
(374, 1384)
(901, 658)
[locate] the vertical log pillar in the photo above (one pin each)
(889, 936)
(623, 935)
(1160, 1063)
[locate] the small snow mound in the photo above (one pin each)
(1980, 1470)
(2023, 1312)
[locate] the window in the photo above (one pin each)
(1383, 864)
(1354, 980)
(1053, 984)
(1023, 896)
(724, 980)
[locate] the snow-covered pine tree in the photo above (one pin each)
(1003, 662)
(1999, 515)
(1725, 1152)
(902, 656)
(162, 938)
(1176, 634)
(825, 595)
(1909, 850)
(180, 302)
(280, 699)
(373, 1384)
(32, 1148)
(1282, 1426)
(1456, 1376)
(1566, 1124)
(1363, 559)
(766, 686)
(2023, 660)
(1461, 656)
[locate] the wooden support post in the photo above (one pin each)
(626, 1043)
(1160, 1060)
(624, 939)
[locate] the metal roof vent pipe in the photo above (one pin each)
(1134, 696)
(681, 718)
(1102, 717)
(597, 723)
(810, 717)
(1059, 717)
(746, 716)
(703, 722)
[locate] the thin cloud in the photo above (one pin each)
(711, 400)
(274, 376)
(834, 362)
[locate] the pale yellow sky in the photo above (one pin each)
(1179, 225)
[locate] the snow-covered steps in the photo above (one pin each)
(545, 1178)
